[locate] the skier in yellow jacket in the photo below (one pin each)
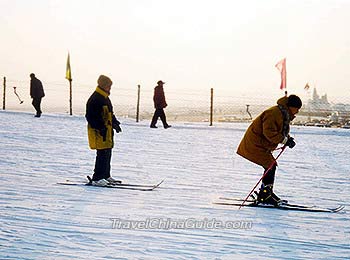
(101, 122)
(262, 137)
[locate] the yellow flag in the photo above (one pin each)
(68, 70)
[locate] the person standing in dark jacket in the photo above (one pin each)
(159, 105)
(101, 122)
(36, 93)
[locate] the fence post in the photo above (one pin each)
(138, 104)
(211, 106)
(4, 95)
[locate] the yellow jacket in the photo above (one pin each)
(100, 117)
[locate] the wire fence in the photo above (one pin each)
(184, 106)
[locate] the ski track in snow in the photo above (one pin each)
(42, 220)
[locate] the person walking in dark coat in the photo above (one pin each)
(101, 122)
(36, 93)
(159, 105)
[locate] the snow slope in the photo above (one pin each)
(42, 220)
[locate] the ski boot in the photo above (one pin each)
(268, 197)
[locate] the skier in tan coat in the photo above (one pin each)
(262, 137)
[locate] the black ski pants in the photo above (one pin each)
(102, 164)
(269, 178)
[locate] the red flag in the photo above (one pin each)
(281, 66)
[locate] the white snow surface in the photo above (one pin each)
(40, 219)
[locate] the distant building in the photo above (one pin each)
(341, 112)
(318, 104)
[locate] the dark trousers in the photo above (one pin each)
(102, 164)
(269, 178)
(36, 104)
(159, 113)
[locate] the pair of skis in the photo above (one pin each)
(282, 206)
(124, 186)
(223, 201)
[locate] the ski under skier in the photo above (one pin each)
(101, 122)
(262, 137)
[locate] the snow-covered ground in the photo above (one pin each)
(40, 219)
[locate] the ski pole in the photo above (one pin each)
(14, 90)
(268, 169)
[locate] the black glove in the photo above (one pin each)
(116, 127)
(103, 132)
(290, 142)
(116, 124)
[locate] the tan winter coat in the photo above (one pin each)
(264, 134)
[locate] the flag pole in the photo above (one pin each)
(70, 97)
(285, 75)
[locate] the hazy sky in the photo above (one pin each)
(232, 46)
